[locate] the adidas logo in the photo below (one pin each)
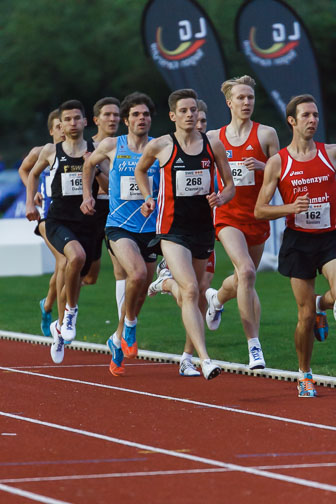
(249, 147)
(179, 161)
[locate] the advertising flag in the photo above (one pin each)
(181, 40)
(278, 47)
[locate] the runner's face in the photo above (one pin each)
(108, 120)
(73, 123)
(201, 124)
(307, 119)
(242, 101)
(185, 115)
(139, 120)
(57, 131)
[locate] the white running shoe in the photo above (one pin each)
(334, 310)
(162, 265)
(210, 370)
(256, 358)
(68, 329)
(213, 314)
(187, 368)
(57, 347)
(156, 286)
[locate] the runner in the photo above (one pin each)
(184, 224)
(127, 230)
(304, 173)
(248, 146)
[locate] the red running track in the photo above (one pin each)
(73, 433)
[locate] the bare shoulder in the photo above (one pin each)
(107, 145)
(213, 134)
(331, 151)
(273, 165)
(35, 152)
(156, 145)
(47, 150)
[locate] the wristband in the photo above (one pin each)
(147, 197)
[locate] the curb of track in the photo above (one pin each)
(229, 367)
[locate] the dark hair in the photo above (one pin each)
(54, 114)
(180, 94)
(295, 101)
(70, 105)
(108, 100)
(202, 106)
(134, 99)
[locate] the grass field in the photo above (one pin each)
(160, 327)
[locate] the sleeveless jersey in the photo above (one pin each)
(315, 177)
(67, 188)
(124, 195)
(185, 182)
(248, 183)
(45, 191)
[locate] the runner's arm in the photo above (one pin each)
(33, 179)
(270, 144)
(224, 170)
(148, 157)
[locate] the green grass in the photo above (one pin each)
(160, 327)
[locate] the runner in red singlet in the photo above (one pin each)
(248, 146)
(304, 172)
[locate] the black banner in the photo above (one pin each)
(277, 46)
(180, 38)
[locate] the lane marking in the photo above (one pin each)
(172, 453)
(177, 399)
(32, 496)
(290, 454)
(66, 462)
(8, 433)
(49, 366)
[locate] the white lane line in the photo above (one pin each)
(172, 453)
(47, 366)
(178, 399)
(176, 472)
(32, 496)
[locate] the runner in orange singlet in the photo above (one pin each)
(304, 172)
(248, 146)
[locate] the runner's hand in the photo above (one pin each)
(88, 206)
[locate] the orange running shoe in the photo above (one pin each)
(117, 366)
(117, 370)
(321, 324)
(128, 342)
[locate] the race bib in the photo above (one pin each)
(240, 174)
(316, 217)
(192, 183)
(129, 189)
(72, 184)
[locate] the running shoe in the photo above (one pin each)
(321, 323)
(46, 319)
(128, 342)
(256, 356)
(117, 366)
(68, 329)
(213, 314)
(210, 370)
(162, 265)
(306, 387)
(57, 347)
(156, 286)
(187, 368)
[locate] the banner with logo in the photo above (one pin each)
(278, 48)
(180, 38)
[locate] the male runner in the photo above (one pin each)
(304, 173)
(42, 199)
(186, 198)
(68, 230)
(127, 230)
(248, 146)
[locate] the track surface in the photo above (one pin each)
(73, 433)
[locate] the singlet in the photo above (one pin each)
(185, 182)
(317, 177)
(45, 191)
(247, 182)
(67, 188)
(124, 195)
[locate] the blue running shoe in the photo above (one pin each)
(46, 319)
(128, 342)
(321, 322)
(117, 366)
(306, 387)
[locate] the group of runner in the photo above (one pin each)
(163, 200)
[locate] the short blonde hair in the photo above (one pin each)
(227, 86)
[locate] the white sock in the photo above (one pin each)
(130, 323)
(67, 307)
(318, 309)
(253, 342)
(116, 340)
(120, 294)
(302, 373)
(185, 356)
(216, 303)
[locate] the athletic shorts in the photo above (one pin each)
(255, 233)
(102, 210)
(211, 263)
(141, 239)
(303, 254)
(59, 233)
(37, 230)
(201, 245)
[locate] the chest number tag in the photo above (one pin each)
(129, 189)
(72, 184)
(316, 217)
(240, 174)
(192, 182)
